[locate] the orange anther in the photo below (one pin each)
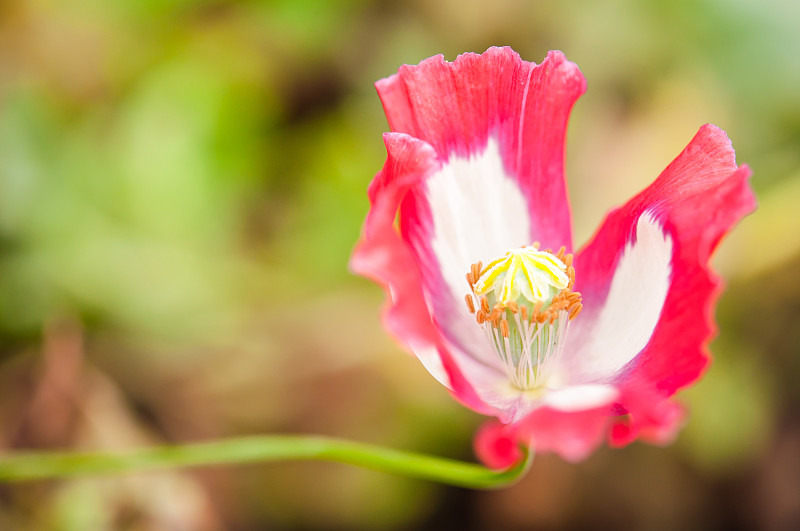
(470, 304)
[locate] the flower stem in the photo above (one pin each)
(23, 466)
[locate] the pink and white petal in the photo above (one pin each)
(468, 210)
(496, 445)
(459, 107)
(383, 256)
(497, 124)
(581, 397)
(610, 334)
(649, 417)
(570, 421)
(571, 434)
(647, 285)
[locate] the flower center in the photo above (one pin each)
(524, 302)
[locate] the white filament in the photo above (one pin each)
(530, 349)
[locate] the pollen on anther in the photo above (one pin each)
(575, 311)
(512, 306)
(571, 275)
(470, 303)
(484, 305)
(524, 312)
(504, 327)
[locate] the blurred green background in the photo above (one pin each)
(181, 185)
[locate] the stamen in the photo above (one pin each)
(526, 304)
(476, 270)
(571, 275)
(470, 304)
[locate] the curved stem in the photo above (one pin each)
(267, 448)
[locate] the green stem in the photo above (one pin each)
(24, 466)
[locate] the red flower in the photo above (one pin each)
(474, 175)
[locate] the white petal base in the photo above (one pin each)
(603, 342)
(471, 200)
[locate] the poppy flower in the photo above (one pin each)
(470, 234)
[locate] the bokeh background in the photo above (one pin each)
(181, 185)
